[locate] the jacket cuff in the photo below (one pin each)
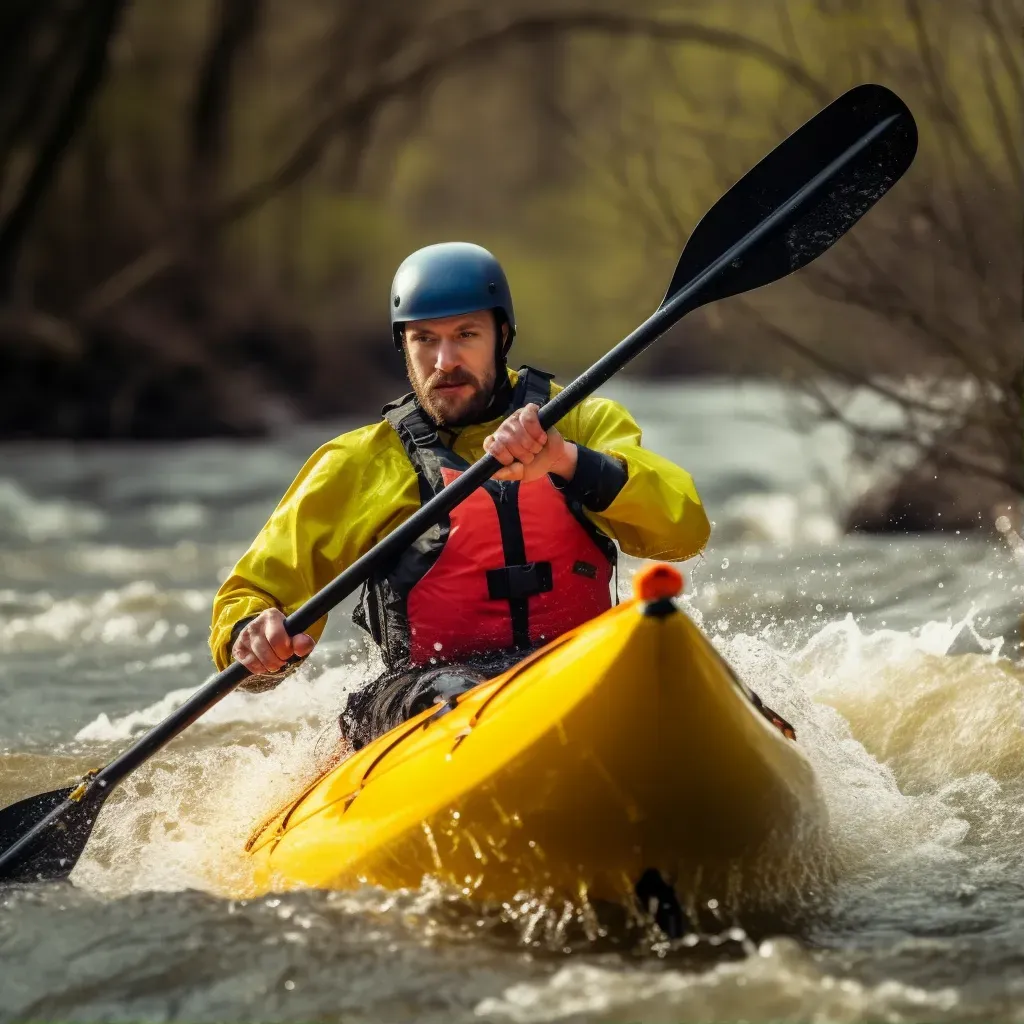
(237, 628)
(597, 480)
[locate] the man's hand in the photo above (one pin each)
(527, 451)
(264, 645)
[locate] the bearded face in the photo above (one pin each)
(451, 366)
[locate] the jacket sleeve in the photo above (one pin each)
(323, 524)
(657, 513)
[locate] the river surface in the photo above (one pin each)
(897, 660)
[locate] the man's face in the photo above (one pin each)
(451, 365)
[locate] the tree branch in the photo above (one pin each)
(409, 77)
(83, 88)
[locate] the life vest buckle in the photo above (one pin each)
(422, 434)
(512, 582)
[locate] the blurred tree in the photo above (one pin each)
(921, 304)
(53, 57)
(201, 204)
(235, 26)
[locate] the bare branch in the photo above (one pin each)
(405, 77)
(105, 16)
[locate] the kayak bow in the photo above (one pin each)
(625, 746)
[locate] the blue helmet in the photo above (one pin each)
(447, 279)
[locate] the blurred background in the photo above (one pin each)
(202, 205)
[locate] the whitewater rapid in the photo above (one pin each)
(898, 661)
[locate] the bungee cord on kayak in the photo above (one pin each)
(555, 744)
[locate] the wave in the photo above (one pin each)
(779, 978)
(135, 615)
(898, 788)
(23, 517)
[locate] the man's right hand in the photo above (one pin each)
(264, 645)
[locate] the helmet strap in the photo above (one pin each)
(501, 396)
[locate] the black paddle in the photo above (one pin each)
(784, 213)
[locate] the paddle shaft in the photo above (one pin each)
(669, 313)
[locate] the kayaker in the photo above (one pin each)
(527, 557)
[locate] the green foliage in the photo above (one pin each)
(583, 164)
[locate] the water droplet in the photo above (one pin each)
(289, 984)
(438, 645)
(817, 608)
(725, 563)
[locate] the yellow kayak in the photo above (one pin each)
(625, 747)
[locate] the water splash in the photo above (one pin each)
(181, 821)
(781, 980)
(26, 518)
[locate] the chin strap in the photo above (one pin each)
(501, 396)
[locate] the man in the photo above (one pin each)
(525, 558)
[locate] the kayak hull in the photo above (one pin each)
(623, 747)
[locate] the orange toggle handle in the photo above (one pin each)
(654, 582)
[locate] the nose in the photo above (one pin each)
(447, 355)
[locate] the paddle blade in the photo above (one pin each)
(55, 852)
(827, 213)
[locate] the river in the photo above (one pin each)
(897, 659)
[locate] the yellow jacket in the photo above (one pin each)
(356, 489)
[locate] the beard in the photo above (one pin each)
(456, 408)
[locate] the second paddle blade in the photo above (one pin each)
(57, 850)
(817, 224)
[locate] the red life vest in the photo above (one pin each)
(514, 565)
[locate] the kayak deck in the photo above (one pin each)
(625, 746)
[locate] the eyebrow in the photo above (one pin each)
(473, 322)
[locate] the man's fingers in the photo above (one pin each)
(493, 446)
(265, 653)
(517, 441)
(243, 654)
(531, 424)
(277, 636)
(303, 643)
(513, 472)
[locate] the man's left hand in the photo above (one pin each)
(527, 451)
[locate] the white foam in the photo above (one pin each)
(34, 519)
(777, 518)
(136, 614)
(299, 697)
(179, 517)
(181, 821)
(205, 797)
(781, 980)
(891, 722)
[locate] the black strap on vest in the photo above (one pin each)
(533, 386)
(517, 580)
